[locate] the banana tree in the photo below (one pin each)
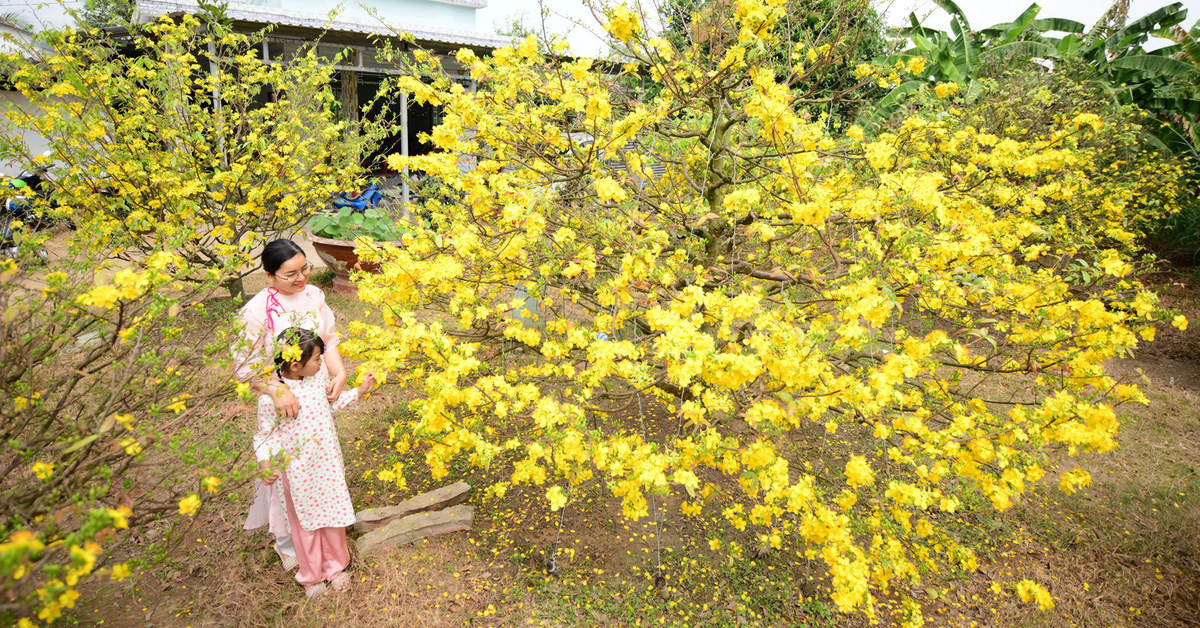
(1162, 81)
(957, 55)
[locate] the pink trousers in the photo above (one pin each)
(322, 553)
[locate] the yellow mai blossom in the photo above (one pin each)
(292, 353)
(189, 505)
(211, 483)
(557, 497)
(858, 472)
(120, 571)
(609, 190)
(119, 517)
(43, 470)
(179, 403)
(719, 306)
(132, 446)
(945, 89)
(1030, 591)
(101, 296)
(623, 24)
(20, 402)
(1072, 480)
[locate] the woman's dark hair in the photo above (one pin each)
(306, 339)
(276, 252)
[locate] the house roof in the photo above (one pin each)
(22, 38)
(345, 24)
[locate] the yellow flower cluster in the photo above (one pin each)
(188, 506)
(179, 175)
(846, 303)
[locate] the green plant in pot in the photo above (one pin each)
(333, 236)
(348, 224)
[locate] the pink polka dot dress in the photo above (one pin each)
(315, 472)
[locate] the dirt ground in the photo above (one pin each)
(1123, 552)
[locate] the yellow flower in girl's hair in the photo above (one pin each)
(292, 353)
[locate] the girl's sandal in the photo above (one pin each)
(313, 590)
(289, 562)
(340, 582)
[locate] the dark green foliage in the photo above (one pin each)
(105, 13)
(348, 224)
(852, 29)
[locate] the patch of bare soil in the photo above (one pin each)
(1181, 292)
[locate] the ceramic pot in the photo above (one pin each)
(339, 256)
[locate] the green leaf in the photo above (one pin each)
(1158, 65)
(1023, 48)
(1137, 31)
(923, 44)
(1069, 45)
(888, 104)
(1057, 24)
(1186, 107)
(949, 7)
(81, 443)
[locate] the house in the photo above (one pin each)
(9, 35)
(439, 26)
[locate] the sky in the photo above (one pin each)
(980, 13)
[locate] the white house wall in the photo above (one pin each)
(36, 143)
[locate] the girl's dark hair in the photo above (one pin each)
(276, 252)
(307, 340)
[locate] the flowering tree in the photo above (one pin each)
(184, 130)
(102, 378)
(899, 325)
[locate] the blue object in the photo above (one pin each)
(370, 197)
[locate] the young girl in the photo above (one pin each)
(316, 501)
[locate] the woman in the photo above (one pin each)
(288, 301)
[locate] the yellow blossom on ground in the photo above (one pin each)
(1030, 591)
(120, 571)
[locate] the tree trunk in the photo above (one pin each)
(237, 289)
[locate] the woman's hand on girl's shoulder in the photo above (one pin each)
(286, 404)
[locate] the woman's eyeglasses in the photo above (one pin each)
(294, 275)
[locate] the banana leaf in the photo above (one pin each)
(1039, 49)
(1057, 24)
(888, 104)
(1157, 65)
(949, 7)
(1140, 29)
(1187, 107)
